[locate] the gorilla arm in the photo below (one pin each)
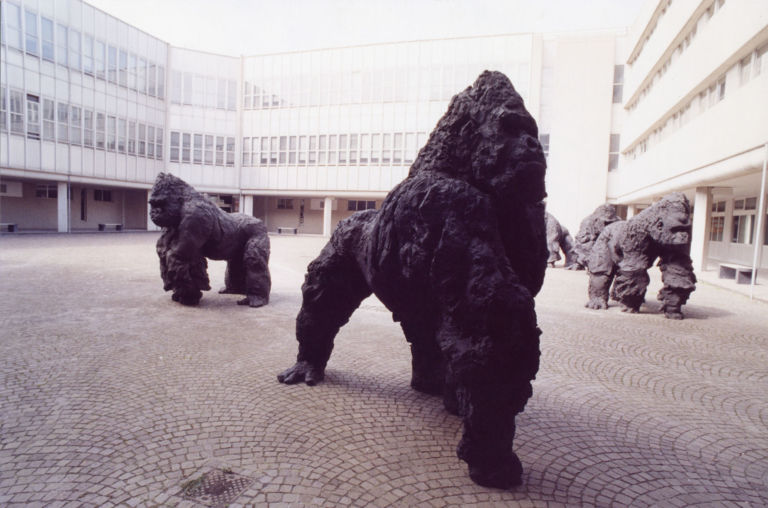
(186, 267)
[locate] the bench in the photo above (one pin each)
(280, 231)
(9, 226)
(741, 273)
(117, 226)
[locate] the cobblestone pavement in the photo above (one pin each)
(112, 394)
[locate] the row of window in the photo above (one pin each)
(54, 42)
(341, 149)
(404, 84)
(678, 51)
(352, 204)
(202, 149)
(205, 91)
(50, 191)
(743, 221)
(707, 98)
(69, 123)
(662, 9)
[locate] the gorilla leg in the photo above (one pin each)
(427, 364)
(256, 272)
(629, 289)
(679, 282)
(333, 288)
(234, 278)
(599, 286)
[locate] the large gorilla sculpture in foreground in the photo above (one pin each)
(626, 249)
(558, 238)
(591, 227)
(194, 228)
(457, 253)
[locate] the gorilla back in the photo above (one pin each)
(194, 229)
(456, 252)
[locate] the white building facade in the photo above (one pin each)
(696, 99)
(93, 109)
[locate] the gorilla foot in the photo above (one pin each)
(573, 266)
(629, 310)
(670, 314)
(502, 475)
(596, 303)
(230, 291)
(302, 372)
(190, 298)
(253, 301)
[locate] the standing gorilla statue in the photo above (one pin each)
(194, 228)
(591, 227)
(626, 249)
(558, 238)
(457, 253)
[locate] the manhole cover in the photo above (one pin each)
(215, 488)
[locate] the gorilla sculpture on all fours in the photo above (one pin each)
(558, 238)
(591, 227)
(626, 249)
(194, 229)
(457, 253)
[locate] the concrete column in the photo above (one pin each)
(700, 235)
(631, 211)
(151, 226)
(327, 216)
(62, 201)
(246, 204)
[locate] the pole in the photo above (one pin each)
(759, 236)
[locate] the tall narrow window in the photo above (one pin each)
(75, 122)
(159, 143)
(132, 71)
(121, 131)
(74, 49)
(122, 76)
(221, 94)
(30, 25)
(375, 148)
(283, 150)
(3, 110)
(220, 150)
(230, 151)
(312, 159)
(151, 143)
(99, 61)
(131, 137)
(386, 151)
(397, 153)
(175, 144)
(87, 54)
(365, 148)
(16, 103)
(343, 149)
(176, 85)
(197, 154)
(231, 95)
(333, 155)
(12, 28)
(62, 116)
(303, 148)
(255, 151)
(208, 149)
(322, 154)
(152, 80)
(618, 83)
(186, 142)
(187, 88)
(83, 204)
(61, 44)
(33, 116)
(717, 222)
(293, 146)
(49, 120)
(353, 148)
(141, 75)
(100, 130)
(410, 147)
(272, 150)
(264, 152)
(613, 153)
(112, 64)
(87, 127)
(48, 46)
(246, 151)
(142, 146)
(111, 133)
(160, 82)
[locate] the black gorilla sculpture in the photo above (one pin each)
(558, 238)
(194, 228)
(626, 249)
(457, 253)
(591, 227)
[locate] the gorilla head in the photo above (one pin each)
(672, 226)
(167, 200)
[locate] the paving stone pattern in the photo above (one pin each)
(113, 395)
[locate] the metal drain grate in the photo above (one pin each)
(215, 488)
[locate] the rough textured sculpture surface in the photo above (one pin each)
(625, 250)
(591, 227)
(194, 229)
(558, 238)
(457, 253)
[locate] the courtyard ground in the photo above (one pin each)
(112, 394)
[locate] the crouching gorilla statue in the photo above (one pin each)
(558, 238)
(456, 253)
(590, 228)
(194, 228)
(626, 249)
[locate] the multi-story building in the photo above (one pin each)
(696, 97)
(93, 109)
